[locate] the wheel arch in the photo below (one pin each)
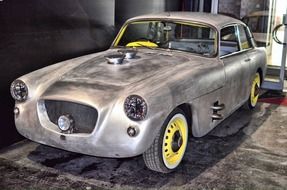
(260, 71)
(187, 109)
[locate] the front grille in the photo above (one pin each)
(85, 117)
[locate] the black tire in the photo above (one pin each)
(154, 157)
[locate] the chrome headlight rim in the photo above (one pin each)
(135, 107)
(19, 90)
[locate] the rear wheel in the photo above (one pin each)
(254, 93)
(169, 146)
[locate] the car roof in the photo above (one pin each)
(216, 20)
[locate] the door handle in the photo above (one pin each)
(246, 60)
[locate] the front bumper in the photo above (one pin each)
(108, 139)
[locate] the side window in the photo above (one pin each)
(228, 40)
(244, 40)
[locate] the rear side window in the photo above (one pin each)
(245, 42)
(229, 40)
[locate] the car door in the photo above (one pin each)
(249, 53)
(234, 66)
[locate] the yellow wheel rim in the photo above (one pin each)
(255, 90)
(174, 141)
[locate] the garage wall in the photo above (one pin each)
(126, 9)
(241, 8)
(37, 33)
(230, 7)
(248, 6)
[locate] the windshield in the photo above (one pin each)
(190, 37)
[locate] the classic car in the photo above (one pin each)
(166, 77)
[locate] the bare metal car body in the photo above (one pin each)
(94, 92)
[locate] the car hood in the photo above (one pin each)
(95, 78)
(145, 65)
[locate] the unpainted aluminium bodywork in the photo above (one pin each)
(165, 79)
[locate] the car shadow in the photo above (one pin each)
(202, 153)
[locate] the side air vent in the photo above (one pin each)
(216, 109)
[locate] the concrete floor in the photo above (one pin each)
(247, 151)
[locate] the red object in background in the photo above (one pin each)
(280, 101)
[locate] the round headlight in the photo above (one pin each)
(135, 107)
(19, 90)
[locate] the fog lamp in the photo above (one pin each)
(132, 131)
(66, 123)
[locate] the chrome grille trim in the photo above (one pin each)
(85, 117)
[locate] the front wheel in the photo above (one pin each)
(169, 146)
(254, 93)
